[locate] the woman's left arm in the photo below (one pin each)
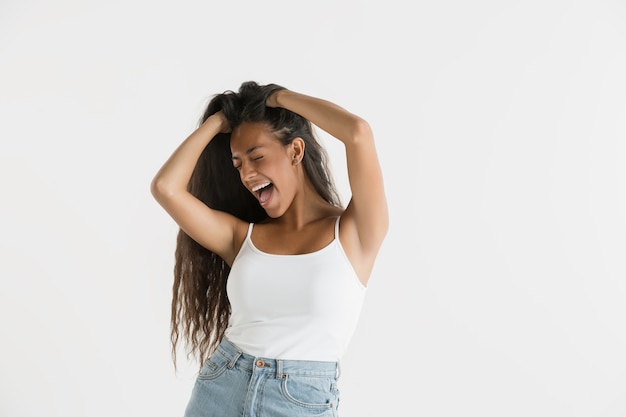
(367, 209)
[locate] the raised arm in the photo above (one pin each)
(213, 229)
(366, 219)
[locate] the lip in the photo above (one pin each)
(259, 186)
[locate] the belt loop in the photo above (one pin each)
(338, 373)
(234, 359)
(279, 369)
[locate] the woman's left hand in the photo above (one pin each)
(272, 98)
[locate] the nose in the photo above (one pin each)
(246, 171)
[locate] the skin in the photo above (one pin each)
(300, 218)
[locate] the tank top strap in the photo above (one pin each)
(249, 234)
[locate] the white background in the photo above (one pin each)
(501, 129)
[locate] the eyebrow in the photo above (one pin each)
(249, 151)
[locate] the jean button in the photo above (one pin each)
(260, 363)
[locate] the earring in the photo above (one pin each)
(294, 161)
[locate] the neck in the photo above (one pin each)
(307, 206)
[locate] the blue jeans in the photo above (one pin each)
(234, 384)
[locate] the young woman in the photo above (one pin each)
(270, 269)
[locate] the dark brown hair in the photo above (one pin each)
(200, 306)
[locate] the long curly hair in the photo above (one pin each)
(200, 309)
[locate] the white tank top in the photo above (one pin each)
(293, 307)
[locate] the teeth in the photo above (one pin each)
(258, 187)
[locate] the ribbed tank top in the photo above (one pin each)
(293, 307)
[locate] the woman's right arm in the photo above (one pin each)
(213, 229)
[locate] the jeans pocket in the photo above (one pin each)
(315, 394)
(214, 366)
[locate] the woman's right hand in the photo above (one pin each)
(223, 122)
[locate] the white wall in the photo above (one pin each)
(501, 129)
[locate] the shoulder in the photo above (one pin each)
(241, 232)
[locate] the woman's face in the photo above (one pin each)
(265, 166)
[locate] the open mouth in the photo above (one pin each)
(263, 192)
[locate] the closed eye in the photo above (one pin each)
(238, 167)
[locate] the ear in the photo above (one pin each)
(297, 150)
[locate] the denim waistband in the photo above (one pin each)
(280, 367)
